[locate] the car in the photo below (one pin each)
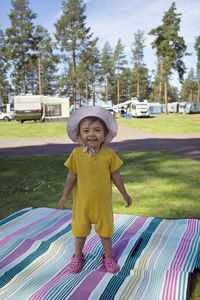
(7, 116)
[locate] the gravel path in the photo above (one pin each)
(128, 139)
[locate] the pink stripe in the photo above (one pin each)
(183, 247)
(166, 286)
(178, 261)
(8, 238)
(92, 280)
(119, 247)
(97, 274)
(54, 227)
(27, 244)
(5, 240)
(89, 283)
(40, 293)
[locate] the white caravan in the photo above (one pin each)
(134, 107)
(173, 107)
(140, 108)
(189, 108)
(38, 107)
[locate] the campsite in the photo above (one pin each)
(163, 184)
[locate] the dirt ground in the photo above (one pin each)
(127, 139)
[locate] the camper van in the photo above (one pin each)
(173, 107)
(140, 108)
(38, 107)
(27, 107)
(134, 107)
(189, 108)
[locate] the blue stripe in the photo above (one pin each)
(44, 246)
(16, 215)
(117, 280)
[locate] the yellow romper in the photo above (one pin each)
(92, 193)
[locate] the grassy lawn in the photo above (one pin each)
(163, 124)
(159, 124)
(161, 184)
(31, 129)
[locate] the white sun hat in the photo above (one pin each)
(91, 111)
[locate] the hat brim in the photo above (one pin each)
(91, 111)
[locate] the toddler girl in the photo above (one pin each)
(92, 168)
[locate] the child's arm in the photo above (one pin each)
(70, 181)
(117, 179)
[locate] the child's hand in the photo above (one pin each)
(62, 203)
(128, 200)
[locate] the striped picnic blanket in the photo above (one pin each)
(155, 257)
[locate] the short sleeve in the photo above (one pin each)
(71, 162)
(116, 162)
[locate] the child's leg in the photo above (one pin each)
(77, 260)
(79, 243)
(107, 245)
(107, 259)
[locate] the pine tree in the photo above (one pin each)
(140, 72)
(20, 41)
(170, 47)
(107, 69)
(197, 48)
(189, 87)
(4, 67)
(46, 62)
(88, 71)
(119, 64)
(72, 34)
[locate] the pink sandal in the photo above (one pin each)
(76, 264)
(110, 265)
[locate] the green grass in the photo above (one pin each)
(31, 129)
(165, 124)
(162, 184)
(160, 124)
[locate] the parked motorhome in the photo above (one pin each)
(140, 108)
(38, 107)
(134, 107)
(189, 108)
(173, 107)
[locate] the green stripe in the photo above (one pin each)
(16, 215)
(44, 246)
(117, 280)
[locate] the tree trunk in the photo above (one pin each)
(138, 85)
(74, 78)
(198, 97)
(23, 78)
(160, 85)
(190, 95)
(39, 73)
(106, 89)
(166, 110)
(86, 92)
(23, 75)
(118, 91)
(93, 96)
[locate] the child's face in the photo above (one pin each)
(92, 134)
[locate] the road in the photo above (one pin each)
(128, 139)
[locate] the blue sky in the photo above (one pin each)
(114, 19)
